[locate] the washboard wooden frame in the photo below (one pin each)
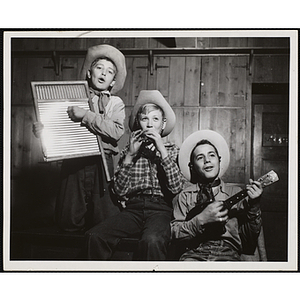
(62, 138)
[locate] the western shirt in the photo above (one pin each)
(242, 227)
(109, 124)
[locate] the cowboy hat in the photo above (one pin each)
(154, 97)
(189, 144)
(111, 53)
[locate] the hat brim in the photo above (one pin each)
(190, 142)
(155, 97)
(114, 55)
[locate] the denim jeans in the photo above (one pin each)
(144, 216)
(218, 250)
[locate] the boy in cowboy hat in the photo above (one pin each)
(214, 234)
(147, 178)
(83, 199)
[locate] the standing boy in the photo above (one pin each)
(84, 199)
(215, 234)
(147, 178)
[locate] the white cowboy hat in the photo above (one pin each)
(114, 55)
(155, 97)
(190, 142)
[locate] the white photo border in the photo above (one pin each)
(118, 266)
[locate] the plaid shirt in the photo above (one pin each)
(144, 176)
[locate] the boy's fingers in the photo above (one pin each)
(258, 184)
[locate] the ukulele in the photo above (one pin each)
(265, 180)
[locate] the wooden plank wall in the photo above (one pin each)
(206, 92)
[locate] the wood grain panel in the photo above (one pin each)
(141, 43)
(176, 88)
(28, 44)
(192, 81)
(71, 43)
(162, 75)
(224, 81)
(210, 81)
(268, 42)
(153, 43)
(224, 42)
(191, 121)
(37, 70)
(70, 68)
(144, 42)
(90, 42)
(17, 138)
(126, 93)
(19, 81)
(230, 123)
(232, 81)
(139, 76)
(176, 136)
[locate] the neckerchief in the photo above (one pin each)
(104, 97)
(205, 193)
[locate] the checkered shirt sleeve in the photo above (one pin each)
(141, 176)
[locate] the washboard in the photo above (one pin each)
(61, 137)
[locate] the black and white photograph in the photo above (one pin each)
(150, 150)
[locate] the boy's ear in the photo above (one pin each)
(88, 73)
(164, 123)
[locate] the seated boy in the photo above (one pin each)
(147, 178)
(214, 234)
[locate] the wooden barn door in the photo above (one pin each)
(270, 152)
(225, 109)
(177, 78)
(205, 92)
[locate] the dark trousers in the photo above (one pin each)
(84, 197)
(146, 217)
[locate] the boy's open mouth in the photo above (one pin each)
(209, 168)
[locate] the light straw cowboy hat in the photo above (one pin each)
(190, 142)
(114, 55)
(154, 97)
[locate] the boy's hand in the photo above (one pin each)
(156, 138)
(254, 189)
(135, 142)
(212, 213)
(76, 113)
(37, 129)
